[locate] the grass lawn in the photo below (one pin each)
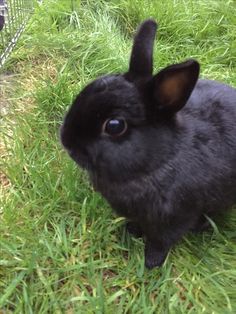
(62, 249)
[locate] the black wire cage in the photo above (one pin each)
(14, 15)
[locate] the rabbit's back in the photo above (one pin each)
(205, 164)
(211, 115)
(211, 100)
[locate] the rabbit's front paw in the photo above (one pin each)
(153, 256)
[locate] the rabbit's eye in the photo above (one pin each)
(115, 127)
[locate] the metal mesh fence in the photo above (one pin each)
(14, 15)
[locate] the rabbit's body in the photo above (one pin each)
(185, 184)
(172, 162)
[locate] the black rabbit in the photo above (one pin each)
(161, 149)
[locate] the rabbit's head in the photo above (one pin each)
(110, 127)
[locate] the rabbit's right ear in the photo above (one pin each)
(142, 51)
(172, 86)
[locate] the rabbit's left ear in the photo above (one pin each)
(141, 56)
(172, 86)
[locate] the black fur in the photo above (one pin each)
(177, 160)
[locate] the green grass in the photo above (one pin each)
(62, 250)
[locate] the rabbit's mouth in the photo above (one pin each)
(81, 158)
(78, 153)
